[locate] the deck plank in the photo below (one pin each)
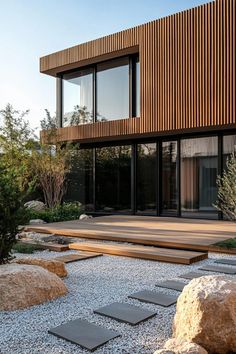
(142, 252)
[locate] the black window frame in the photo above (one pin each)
(133, 59)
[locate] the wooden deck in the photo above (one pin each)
(142, 252)
(188, 234)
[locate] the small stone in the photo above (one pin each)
(36, 221)
(85, 217)
(53, 266)
(35, 205)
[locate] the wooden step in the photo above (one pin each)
(142, 252)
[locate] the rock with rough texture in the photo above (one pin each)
(206, 314)
(36, 221)
(22, 286)
(35, 205)
(85, 217)
(51, 265)
(181, 346)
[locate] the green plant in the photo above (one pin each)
(226, 200)
(229, 244)
(64, 212)
(24, 248)
(10, 206)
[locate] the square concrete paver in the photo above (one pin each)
(154, 297)
(226, 261)
(192, 275)
(219, 269)
(125, 313)
(172, 284)
(83, 333)
(77, 257)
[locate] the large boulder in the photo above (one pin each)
(181, 346)
(35, 205)
(206, 314)
(51, 265)
(22, 286)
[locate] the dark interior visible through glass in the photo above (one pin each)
(169, 177)
(113, 178)
(146, 178)
(113, 186)
(80, 179)
(199, 169)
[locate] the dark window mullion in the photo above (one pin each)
(59, 101)
(131, 75)
(94, 93)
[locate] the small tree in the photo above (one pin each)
(51, 163)
(16, 141)
(226, 201)
(10, 197)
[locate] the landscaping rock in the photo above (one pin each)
(35, 205)
(22, 286)
(53, 266)
(206, 314)
(37, 221)
(181, 346)
(85, 217)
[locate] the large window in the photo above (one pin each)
(199, 168)
(80, 179)
(146, 178)
(78, 98)
(113, 178)
(113, 90)
(169, 177)
(106, 91)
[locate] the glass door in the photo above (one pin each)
(169, 180)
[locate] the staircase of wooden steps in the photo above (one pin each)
(141, 252)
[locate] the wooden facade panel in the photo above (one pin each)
(187, 72)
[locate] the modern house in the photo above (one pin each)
(153, 109)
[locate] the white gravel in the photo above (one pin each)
(93, 283)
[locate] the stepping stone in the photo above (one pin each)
(172, 284)
(219, 269)
(76, 257)
(226, 261)
(83, 333)
(125, 313)
(154, 297)
(192, 275)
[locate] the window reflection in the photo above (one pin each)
(169, 177)
(78, 98)
(137, 88)
(229, 147)
(113, 89)
(146, 178)
(199, 168)
(113, 178)
(80, 179)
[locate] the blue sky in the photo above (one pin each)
(33, 28)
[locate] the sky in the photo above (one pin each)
(30, 29)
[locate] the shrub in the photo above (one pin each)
(24, 248)
(64, 212)
(226, 201)
(10, 197)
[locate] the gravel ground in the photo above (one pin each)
(94, 283)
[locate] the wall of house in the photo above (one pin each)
(187, 73)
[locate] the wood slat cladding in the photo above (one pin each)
(187, 73)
